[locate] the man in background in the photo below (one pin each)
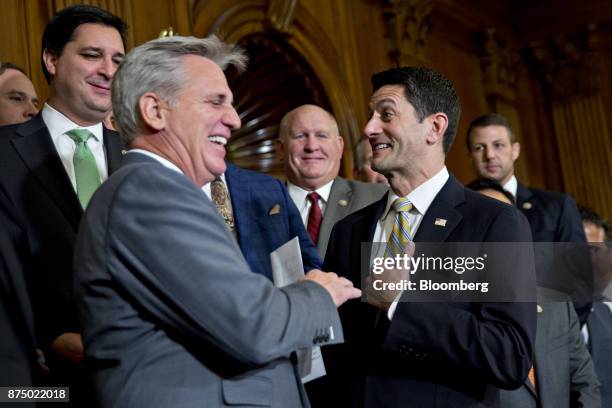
(563, 374)
(18, 99)
(363, 164)
(492, 145)
(49, 168)
(310, 147)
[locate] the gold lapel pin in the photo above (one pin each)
(275, 209)
(527, 205)
(440, 222)
(342, 203)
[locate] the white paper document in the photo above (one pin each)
(287, 268)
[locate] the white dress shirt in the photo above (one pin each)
(511, 186)
(299, 197)
(58, 124)
(421, 199)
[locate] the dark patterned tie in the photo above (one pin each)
(314, 217)
(221, 198)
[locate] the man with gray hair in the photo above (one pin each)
(172, 314)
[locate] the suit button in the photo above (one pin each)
(403, 349)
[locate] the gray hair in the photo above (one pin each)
(157, 66)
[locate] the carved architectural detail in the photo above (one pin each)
(407, 23)
(570, 64)
(499, 66)
(280, 15)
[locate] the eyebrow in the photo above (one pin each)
(100, 50)
(383, 101)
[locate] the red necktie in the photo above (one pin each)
(314, 217)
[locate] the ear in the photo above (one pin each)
(151, 109)
(516, 150)
(279, 148)
(341, 143)
(50, 61)
(439, 124)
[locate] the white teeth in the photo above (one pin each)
(381, 146)
(218, 139)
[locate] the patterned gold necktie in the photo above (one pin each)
(400, 234)
(220, 196)
(85, 167)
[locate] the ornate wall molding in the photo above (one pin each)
(499, 64)
(570, 64)
(281, 14)
(407, 23)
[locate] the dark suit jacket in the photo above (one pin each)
(431, 354)
(17, 341)
(44, 214)
(553, 216)
(346, 197)
(599, 325)
(259, 232)
(173, 315)
(565, 375)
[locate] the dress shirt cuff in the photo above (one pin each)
(393, 306)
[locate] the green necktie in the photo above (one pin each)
(85, 167)
(400, 234)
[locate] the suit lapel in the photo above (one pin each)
(334, 211)
(240, 194)
(363, 232)
(114, 150)
(38, 153)
(442, 211)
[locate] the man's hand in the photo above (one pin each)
(340, 289)
(386, 291)
(69, 346)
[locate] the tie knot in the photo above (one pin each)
(313, 197)
(79, 135)
(402, 204)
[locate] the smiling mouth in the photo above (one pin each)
(220, 140)
(381, 146)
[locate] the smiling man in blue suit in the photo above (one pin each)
(262, 217)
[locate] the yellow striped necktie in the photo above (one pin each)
(400, 234)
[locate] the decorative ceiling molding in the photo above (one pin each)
(408, 25)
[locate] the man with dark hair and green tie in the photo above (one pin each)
(49, 168)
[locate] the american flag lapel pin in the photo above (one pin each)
(440, 222)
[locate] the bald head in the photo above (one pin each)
(310, 146)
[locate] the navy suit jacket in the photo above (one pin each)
(431, 354)
(553, 216)
(266, 218)
(599, 325)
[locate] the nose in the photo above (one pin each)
(488, 153)
(107, 67)
(30, 110)
(231, 119)
(311, 144)
(372, 128)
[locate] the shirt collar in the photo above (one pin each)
(301, 194)
(511, 186)
(167, 163)
(58, 124)
(422, 196)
